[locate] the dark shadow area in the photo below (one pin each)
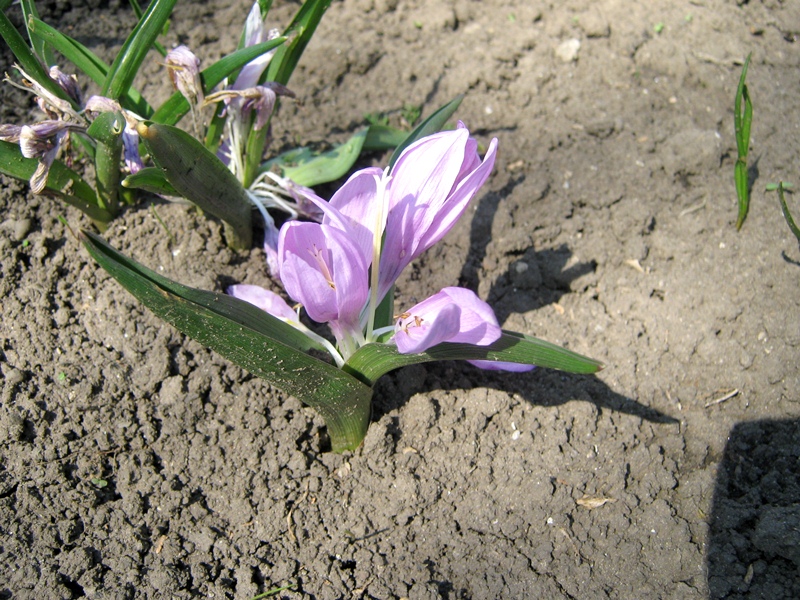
(754, 537)
(481, 231)
(541, 387)
(534, 279)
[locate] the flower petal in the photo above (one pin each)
(356, 202)
(264, 299)
(432, 183)
(324, 270)
(415, 334)
(498, 365)
(453, 315)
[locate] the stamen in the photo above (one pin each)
(317, 254)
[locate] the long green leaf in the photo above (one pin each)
(87, 62)
(302, 27)
(785, 210)
(429, 126)
(383, 137)
(40, 47)
(28, 60)
(60, 179)
(135, 49)
(137, 10)
(176, 105)
(742, 119)
(373, 360)
(201, 177)
(62, 182)
(250, 338)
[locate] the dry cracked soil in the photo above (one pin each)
(135, 463)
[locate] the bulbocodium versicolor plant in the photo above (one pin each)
(339, 265)
(342, 271)
(231, 103)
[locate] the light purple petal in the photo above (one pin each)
(271, 236)
(255, 32)
(432, 183)
(357, 201)
(130, 145)
(478, 323)
(497, 365)
(416, 333)
(184, 71)
(453, 315)
(324, 270)
(264, 299)
(10, 133)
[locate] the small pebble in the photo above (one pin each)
(568, 50)
(21, 229)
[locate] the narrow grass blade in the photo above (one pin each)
(40, 47)
(742, 119)
(250, 338)
(302, 27)
(28, 60)
(135, 49)
(373, 360)
(431, 125)
(785, 210)
(176, 106)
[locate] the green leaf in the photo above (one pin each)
(61, 180)
(28, 60)
(135, 49)
(250, 338)
(198, 175)
(373, 360)
(87, 62)
(137, 10)
(43, 52)
(305, 168)
(429, 126)
(150, 179)
(302, 27)
(176, 106)
(742, 118)
(785, 209)
(107, 130)
(383, 137)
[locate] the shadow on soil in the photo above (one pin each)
(754, 540)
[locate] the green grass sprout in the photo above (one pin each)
(742, 117)
(164, 225)
(275, 590)
(782, 187)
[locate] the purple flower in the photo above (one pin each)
(42, 141)
(324, 270)
(454, 315)
(184, 70)
(383, 219)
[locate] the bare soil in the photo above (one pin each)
(135, 463)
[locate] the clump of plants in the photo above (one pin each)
(336, 259)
